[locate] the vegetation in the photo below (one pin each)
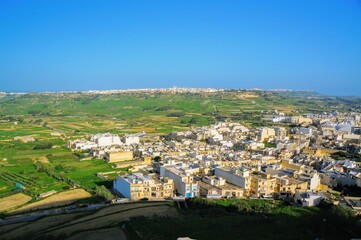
(341, 155)
(40, 168)
(176, 114)
(250, 219)
(103, 192)
(159, 112)
(270, 145)
(43, 145)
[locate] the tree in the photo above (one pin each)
(193, 121)
(103, 192)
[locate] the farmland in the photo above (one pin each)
(55, 200)
(13, 201)
(39, 161)
(151, 112)
(19, 163)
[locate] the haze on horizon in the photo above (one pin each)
(86, 44)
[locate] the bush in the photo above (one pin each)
(103, 192)
(193, 121)
(164, 108)
(43, 145)
(34, 112)
(176, 114)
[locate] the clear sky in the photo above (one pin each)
(53, 45)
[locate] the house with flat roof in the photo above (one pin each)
(137, 186)
(308, 198)
(184, 182)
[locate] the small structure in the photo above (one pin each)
(118, 156)
(308, 198)
(24, 139)
(47, 194)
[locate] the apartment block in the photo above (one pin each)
(184, 183)
(216, 187)
(137, 186)
(287, 187)
(262, 184)
(236, 176)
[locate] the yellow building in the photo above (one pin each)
(286, 187)
(134, 163)
(266, 133)
(262, 184)
(300, 120)
(119, 156)
(289, 164)
(137, 186)
(212, 186)
(229, 190)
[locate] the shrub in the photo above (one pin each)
(103, 192)
(43, 145)
(176, 114)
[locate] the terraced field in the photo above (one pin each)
(152, 112)
(55, 200)
(13, 201)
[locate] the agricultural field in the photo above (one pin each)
(13, 201)
(155, 113)
(9, 130)
(19, 163)
(21, 169)
(55, 200)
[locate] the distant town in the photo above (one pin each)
(161, 90)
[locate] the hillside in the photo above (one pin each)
(159, 112)
(51, 119)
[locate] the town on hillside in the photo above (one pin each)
(304, 161)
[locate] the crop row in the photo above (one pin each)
(12, 177)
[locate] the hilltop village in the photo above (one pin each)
(301, 160)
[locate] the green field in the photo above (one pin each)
(17, 165)
(152, 112)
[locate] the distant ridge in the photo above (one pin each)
(173, 89)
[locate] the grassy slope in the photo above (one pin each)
(265, 220)
(200, 221)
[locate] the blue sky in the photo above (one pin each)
(85, 44)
